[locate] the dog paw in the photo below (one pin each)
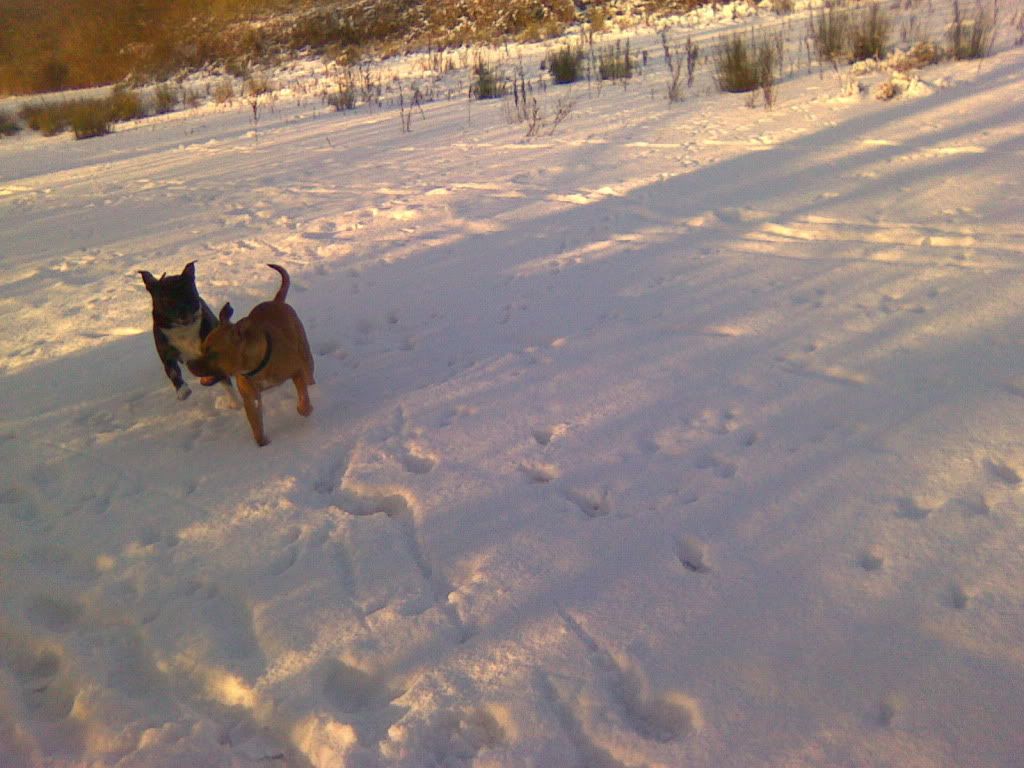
(184, 392)
(226, 403)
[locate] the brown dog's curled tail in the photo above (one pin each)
(285, 282)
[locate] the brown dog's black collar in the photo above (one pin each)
(264, 361)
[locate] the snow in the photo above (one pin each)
(687, 434)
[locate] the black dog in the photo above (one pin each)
(181, 320)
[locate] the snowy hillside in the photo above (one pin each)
(678, 434)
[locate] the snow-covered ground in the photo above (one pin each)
(688, 435)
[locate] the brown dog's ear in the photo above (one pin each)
(148, 279)
(189, 270)
(225, 314)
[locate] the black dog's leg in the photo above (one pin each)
(174, 374)
(169, 357)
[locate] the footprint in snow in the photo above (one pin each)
(888, 709)
(53, 613)
(330, 348)
(47, 690)
(692, 554)
(957, 597)
(329, 478)
(350, 690)
(1003, 472)
(593, 503)
(657, 715)
(543, 436)
(970, 504)
(908, 509)
(540, 473)
(870, 562)
(17, 504)
(748, 437)
(722, 468)
(417, 460)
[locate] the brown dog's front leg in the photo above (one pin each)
(305, 407)
(253, 409)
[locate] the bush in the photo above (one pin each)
(924, 54)
(971, 37)
(542, 30)
(223, 91)
(565, 64)
(123, 105)
(344, 98)
(869, 35)
(47, 119)
(191, 98)
(91, 117)
(257, 86)
(8, 125)
(86, 117)
(486, 84)
(54, 75)
(675, 61)
(829, 30)
(741, 67)
(886, 90)
(322, 28)
(166, 98)
(615, 64)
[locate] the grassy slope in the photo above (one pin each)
(40, 51)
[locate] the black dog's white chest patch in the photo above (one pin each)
(186, 339)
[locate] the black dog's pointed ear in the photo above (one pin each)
(225, 314)
(189, 270)
(149, 280)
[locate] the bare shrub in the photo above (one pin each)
(86, 117)
(322, 27)
(742, 66)
(487, 84)
(829, 31)
(8, 124)
(191, 98)
(255, 89)
(47, 119)
(925, 53)
(615, 62)
(971, 37)
(223, 91)
(922, 54)
(166, 98)
(692, 55)
(566, 64)
(343, 97)
(674, 60)
(543, 29)
(886, 90)
(406, 110)
(869, 34)
(123, 105)
(90, 118)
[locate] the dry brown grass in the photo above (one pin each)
(76, 43)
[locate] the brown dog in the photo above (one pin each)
(262, 350)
